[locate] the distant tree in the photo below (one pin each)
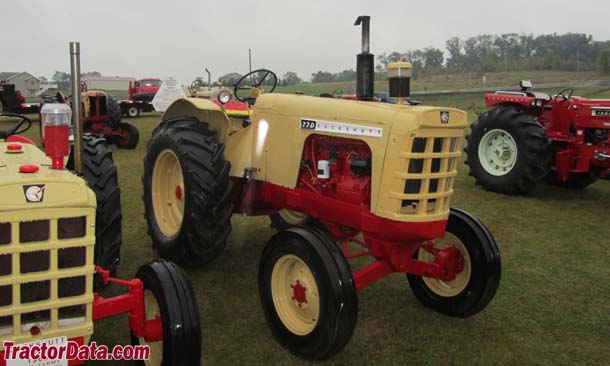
(291, 78)
(62, 79)
(94, 74)
(322, 77)
(603, 61)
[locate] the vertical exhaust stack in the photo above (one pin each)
(209, 78)
(365, 66)
(77, 112)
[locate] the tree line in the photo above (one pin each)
(491, 53)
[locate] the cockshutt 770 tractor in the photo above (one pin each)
(327, 171)
(60, 236)
(529, 136)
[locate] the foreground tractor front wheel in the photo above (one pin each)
(507, 151)
(168, 296)
(307, 292)
(187, 192)
(476, 284)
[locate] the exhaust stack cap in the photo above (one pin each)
(365, 63)
(399, 77)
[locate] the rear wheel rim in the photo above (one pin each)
(133, 111)
(497, 152)
(151, 307)
(462, 278)
(295, 295)
(292, 217)
(168, 193)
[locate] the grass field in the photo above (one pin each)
(551, 306)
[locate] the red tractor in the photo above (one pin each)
(529, 136)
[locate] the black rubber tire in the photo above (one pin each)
(100, 173)
(207, 188)
(145, 97)
(337, 292)
(575, 180)
(114, 111)
(132, 111)
(533, 156)
(130, 136)
(486, 268)
(178, 311)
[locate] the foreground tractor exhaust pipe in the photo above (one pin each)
(365, 67)
(77, 113)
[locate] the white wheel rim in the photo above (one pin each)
(460, 282)
(151, 307)
(497, 152)
(295, 295)
(292, 217)
(133, 111)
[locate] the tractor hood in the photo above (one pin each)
(44, 188)
(398, 118)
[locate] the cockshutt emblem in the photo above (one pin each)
(34, 193)
(444, 116)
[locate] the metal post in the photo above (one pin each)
(77, 113)
(209, 78)
(250, 63)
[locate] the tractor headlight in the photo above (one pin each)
(224, 97)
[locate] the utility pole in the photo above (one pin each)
(250, 63)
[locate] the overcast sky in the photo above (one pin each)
(180, 38)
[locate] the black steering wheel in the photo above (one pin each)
(260, 76)
(16, 129)
(563, 94)
(197, 83)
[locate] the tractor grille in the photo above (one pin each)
(46, 274)
(425, 173)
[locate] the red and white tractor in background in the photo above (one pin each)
(529, 136)
(141, 94)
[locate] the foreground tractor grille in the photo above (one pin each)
(46, 274)
(423, 175)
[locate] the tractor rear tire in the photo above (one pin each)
(145, 97)
(307, 292)
(129, 138)
(187, 192)
(575, 180)
(168, 294)
(114, 111)
(507, 151)
(474, 287)
(100, 173)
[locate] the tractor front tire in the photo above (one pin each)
(187, 192)
(168, 295)
(308, 293)
(507, 151)
(476, 284)
(575, 181)
(129, 137)
(100, 173)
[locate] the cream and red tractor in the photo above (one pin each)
(328, 171)
(60, 236)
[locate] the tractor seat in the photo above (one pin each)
(542, 96)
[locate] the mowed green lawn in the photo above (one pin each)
(551, 306)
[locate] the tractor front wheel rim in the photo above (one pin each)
(461, 279)
(167, 193)
(295, 295)
(151, 308)
(292, 217)
(497, 152)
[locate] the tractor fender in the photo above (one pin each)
(204, 110)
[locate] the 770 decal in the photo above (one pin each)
(340, 127)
